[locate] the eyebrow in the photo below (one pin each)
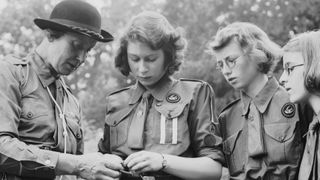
(148, 56)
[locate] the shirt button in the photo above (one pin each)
(47, 162)
(139, 113)
(29, 115)
(78, 136)
(281, 138)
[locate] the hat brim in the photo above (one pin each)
(45, 24)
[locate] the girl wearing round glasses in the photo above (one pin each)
(301, 78)
(260, 130)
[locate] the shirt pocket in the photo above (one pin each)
(74, 131)
(118, 125)
(170, 124)
(235, 153)
(282, 143)
(35, 114)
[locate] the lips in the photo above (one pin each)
(288, 89)
(73, 64)
(231, 79)
(144, 78)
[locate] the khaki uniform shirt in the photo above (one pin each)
(310, 165)
(179, 121)
(29, 117)
(261, 135)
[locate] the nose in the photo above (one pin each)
(283, 78)
(225, 69)
(143, 67)
(82, 57)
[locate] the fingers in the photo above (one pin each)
(96, 166)
(135, 161)
(113, 162)
(103, 177)
(110, 173)
(140, 167)
(132, 156)
(145, 169)
(144, 161)
(101, 170)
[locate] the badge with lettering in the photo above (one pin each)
(288, 110)
(173, 98)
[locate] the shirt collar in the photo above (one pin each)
(262, 99)
(159, 92)
(43, 69)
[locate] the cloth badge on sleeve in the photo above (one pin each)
(173, 98)
(288, 110)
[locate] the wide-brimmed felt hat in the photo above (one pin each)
(75, 16)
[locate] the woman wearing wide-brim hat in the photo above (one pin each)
(40, 133)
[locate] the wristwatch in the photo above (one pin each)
(164, 162)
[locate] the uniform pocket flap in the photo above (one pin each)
(171, 110)
(115, 117)
(230, 143)
(74, 127)
(280, 131)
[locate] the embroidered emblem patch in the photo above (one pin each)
(209, 140)
(173, 98)
(288, 110)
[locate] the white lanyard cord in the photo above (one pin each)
(62, 116)
(64, 126)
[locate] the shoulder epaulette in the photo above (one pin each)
(15, 60)
(119, 90)
(229, 105)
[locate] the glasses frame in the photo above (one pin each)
(232, 64)
(289, 69)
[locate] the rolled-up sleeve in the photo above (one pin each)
(205, 131)
(16, 157)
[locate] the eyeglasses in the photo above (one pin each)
(289, 69)
(230, 63)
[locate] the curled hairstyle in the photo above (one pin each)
(253, 41)
(308, 44)
(154, 30)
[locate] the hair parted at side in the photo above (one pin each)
(153, 29)
(308, 44)
(253, 41)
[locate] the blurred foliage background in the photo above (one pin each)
(200, 19)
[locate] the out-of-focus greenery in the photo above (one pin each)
(200, 19)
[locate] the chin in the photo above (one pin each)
(296, 99)
(147, 83)
(66, 72)
(293, 99)
(236, 86)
